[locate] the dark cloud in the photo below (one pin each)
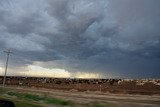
(119, 37)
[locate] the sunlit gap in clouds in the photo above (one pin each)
(39, 71)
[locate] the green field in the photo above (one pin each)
(30, 99)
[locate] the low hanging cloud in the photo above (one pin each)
(118, 37)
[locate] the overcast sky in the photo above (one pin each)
(108, 38)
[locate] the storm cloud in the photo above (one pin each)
(116, 37)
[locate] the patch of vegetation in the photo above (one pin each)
(98, 104)
(26, 96)
(2, 90)
(22, 104)
(34, 97)
(50, 100)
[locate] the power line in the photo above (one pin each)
(8, 52)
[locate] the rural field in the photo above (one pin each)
(51, 92)
(32, 97)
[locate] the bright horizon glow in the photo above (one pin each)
(86, 75)
(38, 71)
(1, 71)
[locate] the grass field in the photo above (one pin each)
(33, 97)
(29, 99)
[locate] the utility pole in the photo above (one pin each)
(8, 53)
